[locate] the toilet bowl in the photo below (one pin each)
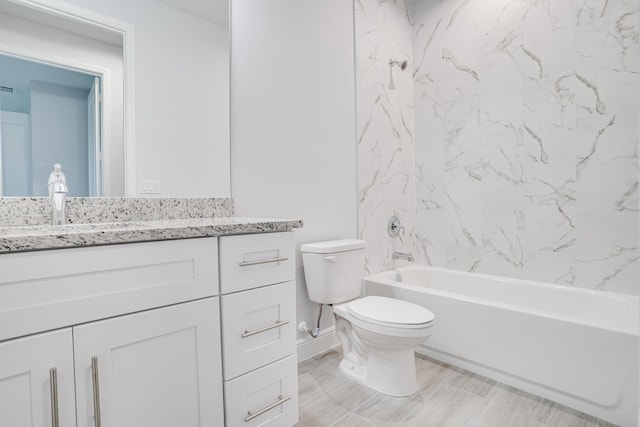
(378, 334)
(378, 342)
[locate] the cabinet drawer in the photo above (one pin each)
(46, 290)
(265, 397)
(255, 331)
(253, 260)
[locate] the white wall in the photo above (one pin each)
(181, 96)
(59, 135)
(292, 119)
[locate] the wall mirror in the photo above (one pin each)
(131, 98)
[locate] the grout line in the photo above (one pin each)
(469, 392)
(340, 419)
(410, 413)
(540, 407)
(355, 410)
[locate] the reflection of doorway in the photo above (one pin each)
(15, 141)
(63, 113)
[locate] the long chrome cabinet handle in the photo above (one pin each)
(53, 386)
(262, 261)
(246, 334)
(252, 415)
(96, 391)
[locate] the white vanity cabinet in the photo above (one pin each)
(32, 371)
(258, 329)
(137, 330)
(155, 368)
(136, 335)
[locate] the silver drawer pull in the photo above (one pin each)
(53, 385)
(263, 261)
(252, 415)
(96, 392)
(246, 334)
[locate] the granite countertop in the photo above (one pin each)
(41, 237)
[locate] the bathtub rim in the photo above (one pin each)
(387, 278)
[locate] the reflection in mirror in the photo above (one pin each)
(164, 69)
(62, 102)
(48, 115)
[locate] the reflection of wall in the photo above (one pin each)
(385, 129)
(526, 139)
(293, 152)
(59, 135)
(181, 95)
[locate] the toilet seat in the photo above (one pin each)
(390, 312)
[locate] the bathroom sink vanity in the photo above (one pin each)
(187, 331)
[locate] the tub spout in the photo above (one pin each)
(402, 255)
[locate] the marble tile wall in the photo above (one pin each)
(384, 128)
(526, 138)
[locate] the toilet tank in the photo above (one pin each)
(333, 270)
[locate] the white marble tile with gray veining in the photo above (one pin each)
(526, 130)
(385, 128)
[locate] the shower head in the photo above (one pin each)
(401, 64)
(392, 63)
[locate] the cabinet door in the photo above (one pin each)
(156, 368)
(25, 380)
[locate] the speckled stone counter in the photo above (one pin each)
(40, 237)
(104, 221)
(17, 211)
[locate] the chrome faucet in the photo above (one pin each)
(58, 193)
(402, 255)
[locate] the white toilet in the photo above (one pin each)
(378, 334)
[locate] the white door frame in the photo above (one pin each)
(95, 146)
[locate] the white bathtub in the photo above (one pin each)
(573, 346)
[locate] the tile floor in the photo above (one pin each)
(447, 396)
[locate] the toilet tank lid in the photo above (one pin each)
(332, 246)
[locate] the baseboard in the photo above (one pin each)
(309, 347)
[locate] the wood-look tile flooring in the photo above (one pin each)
(447, 396)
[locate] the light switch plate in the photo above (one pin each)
(149, 186)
